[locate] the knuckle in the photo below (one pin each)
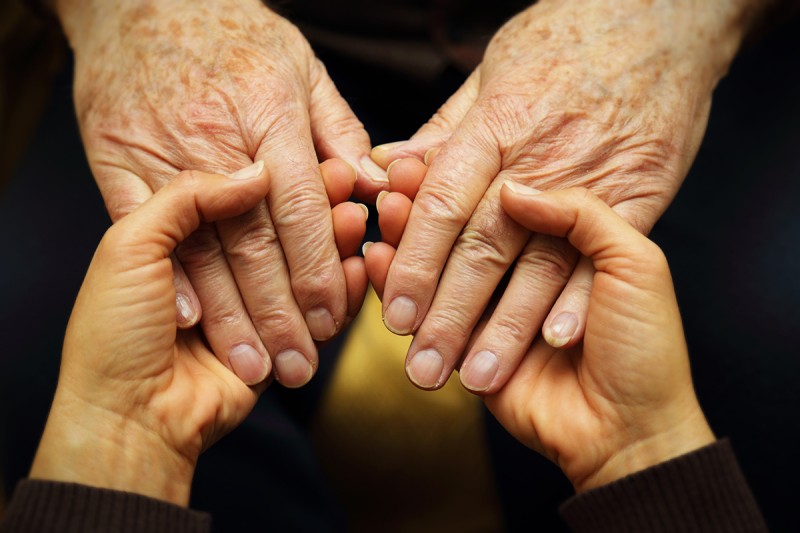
(415, 272)
(449, 327)
(201, 249)
(439, 205)
(277, 322)
(513, 331)
(251, 242)
(483, 245)
(318, 284)
(221, 319)
(549, 260)
(302, 207)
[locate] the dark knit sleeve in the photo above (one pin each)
(45, 506)
(701, 491)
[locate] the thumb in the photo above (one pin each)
(437, 130)
(338, 133)
(590, 225)
(152, 231)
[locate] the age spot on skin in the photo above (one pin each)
(229, 24)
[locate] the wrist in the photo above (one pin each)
(690, 434)
(89, 445)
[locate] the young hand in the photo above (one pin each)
(138, 399)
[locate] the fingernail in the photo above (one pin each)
(401, 315)
(365, 247)
(372, 171)
(561, 330)
(519, 188)
(320, 324)
(425, 368)
(186, 315)
(381, 196)
(293, 369)
(479, 372)
(389, 168)
(388, 146)
(429, 155)
(365, 209)
(248, 173)
(248, 364)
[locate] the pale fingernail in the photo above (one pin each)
(479, 372)
(248, 173)
(366, 246)
(320, 324)
(186, 315)
(429, 155)
(519, 188)
(388, 146)
(365, 209)
(401, 315)
(381, 196)
(372, 171)
(561, 330)
(293, 369)
(389, 168)
(425, 368)
(248, 364)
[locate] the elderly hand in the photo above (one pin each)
(612, 96)
(162, 87)
(138, 399)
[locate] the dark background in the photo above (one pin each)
(732, 237)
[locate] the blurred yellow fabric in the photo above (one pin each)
(401, 459)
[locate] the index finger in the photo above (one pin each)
(453, 187)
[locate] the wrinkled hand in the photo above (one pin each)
(613, 96)
(138, 399)
(165, 86)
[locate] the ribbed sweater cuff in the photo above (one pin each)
(46, 506)
(701, 491)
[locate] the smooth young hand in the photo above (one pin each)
(138, 400)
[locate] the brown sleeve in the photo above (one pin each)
(44, 506)
(701, 491)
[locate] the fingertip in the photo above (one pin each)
(383, 154)
(339, 178)
(406, 176)
(377, 260)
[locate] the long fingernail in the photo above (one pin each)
(320, 324)
(425, 368)
(561, 330)
(293, 369)
(248, 173)
(365, 247)
(519, 188)
(388, 146)
(381, 196)
(365, 209)
(430, 155)
(372, 171)
(479, 372)
(389, 168)
(186, 315)
(248, 364)
(401, 315)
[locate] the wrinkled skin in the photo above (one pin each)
(612, 96)
(166, 86)
(622, 399)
